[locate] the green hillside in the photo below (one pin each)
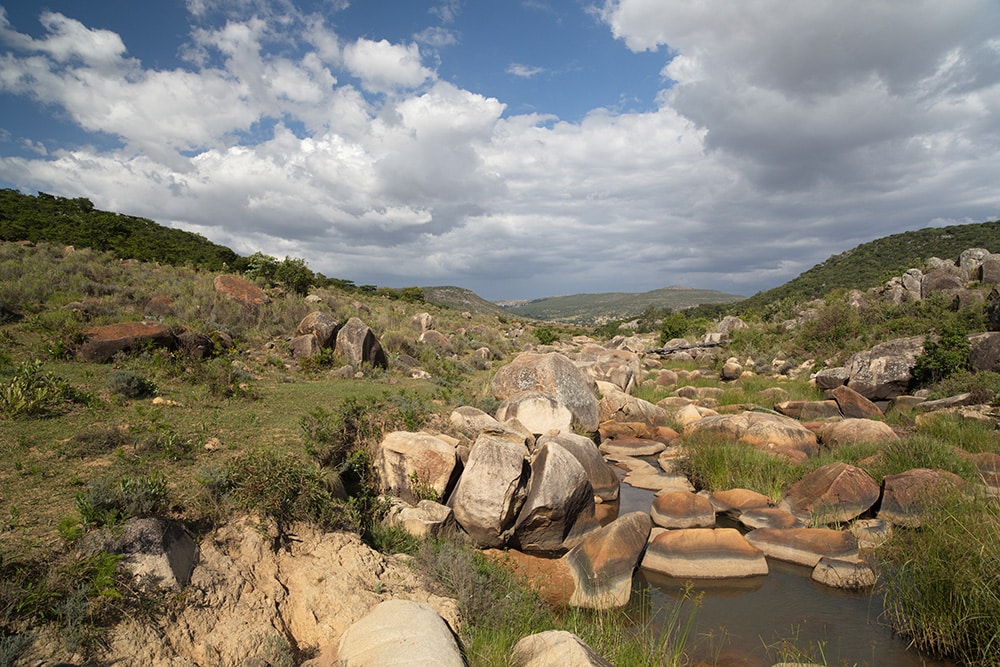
(871, 264)
(461, 299)
(76, 222)
(594, 308)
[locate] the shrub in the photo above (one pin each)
(545, 335)
(127, 384)
(943, 357)
(34, 392)
(108, 501)
(674, 325)
(716, 464)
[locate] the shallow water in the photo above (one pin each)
(755, 616)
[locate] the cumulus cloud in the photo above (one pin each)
(783, 133)
(524, 71)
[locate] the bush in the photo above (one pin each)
(674, 325)
(108, 501)
(127, 384)
(545, 335)
(944, 357)
(33, 392)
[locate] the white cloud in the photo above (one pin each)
(523, 71)
(385, 67)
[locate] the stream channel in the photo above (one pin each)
(754, 616)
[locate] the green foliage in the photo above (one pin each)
(944, 357)
(717, 464)
(674, 325)
(109, 501)
(127, 384)
(545, 335)
(76, 222)
(33, 392)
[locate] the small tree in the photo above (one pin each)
(674, 325)
(943, 357)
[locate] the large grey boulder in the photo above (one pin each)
(491, 490)
(554, 375)
(603, 563)
(541, 413)
(603, 478)
(400, 633)
(836, 492)
(414, 466)
(908, 496)
(886, 370)
(985, 353)
(559, 507)
(321, 325)
(855, 431)
(357, 343)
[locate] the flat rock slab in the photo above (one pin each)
(805, 546)
(843, 574)
(704, 553)
(632, 447)
(659, 482)
(682, 509)
(738, 500)
(398, 633)
(871, 533)
(101, 344)
(768, 517)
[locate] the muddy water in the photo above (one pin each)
(746, 622)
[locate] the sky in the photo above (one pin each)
(517, 148)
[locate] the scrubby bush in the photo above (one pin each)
(943, 357)
(111, 500)
(33, 392)
(127, 384)
(545, 335)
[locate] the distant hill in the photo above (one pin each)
(76, 222)
(459, 298)
(871, 264)
(589, 309)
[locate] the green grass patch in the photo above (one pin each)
(716, 464)
(972, 435)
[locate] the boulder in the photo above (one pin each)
(603, 478)
(554, 375)
(836, 492)
(158, 552)
(809, 410)
(659, 482)
(358, 345)
(845, 574)
(491, 490)
(853, 405)
(704, 553)
(422, 322)
(303, 347)
(765, 431)
(240, 290)
(804, 546)
(989, 270)
(540, 413)
(101, 344)
(438, 341)
(828, 378)
(426, 519)
(603, 563)
(559, 507)
(400, 632)
(633, 447)
(886, 370)
(616, 405)
(738, 500)
(195, 345)
(554, 648)
(321, 325)
(159, 307)
(871, 533)
(906, 497)
(855, 431)
(679, 509)
(940, 281)
(413, 466)
(985, 353)
(768, 517)
(621, 368)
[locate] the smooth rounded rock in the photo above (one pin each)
(680, 509)
(400, 633)
(704, 553)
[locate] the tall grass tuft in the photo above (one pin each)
(942, 581)
(716, 464)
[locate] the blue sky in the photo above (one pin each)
(519, 149)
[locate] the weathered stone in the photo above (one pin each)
(833, 493)
(621, 368)
(321, 325)
(768, 517)
(554, 648)
(159, 307)
(240, 290)
(940, 281)
(559, 507)
(540, 413)
(303, 347)
(678, 509)
(809, 410)
(491, 490)
(422, 322)
(413, 465)
(731, 370)
(989, 271)
(804, 546)
(906, 497)
(603, 478)
(555, 375)
(704, 553)
(632, 447)
(985, 353)
(738, 500)
(602, 564)
(855, 431)
(846, 574)
(616, 405)
(400, 632)
(358, 345)
(471, 421)
(828, 378)
(871, 533)
(101, 344)
(853, 405)
(438, 341)
(426, 519)
(886, 370)
(158, 552)
(757, 429)
(195, 345)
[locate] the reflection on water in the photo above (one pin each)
(758, 614)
